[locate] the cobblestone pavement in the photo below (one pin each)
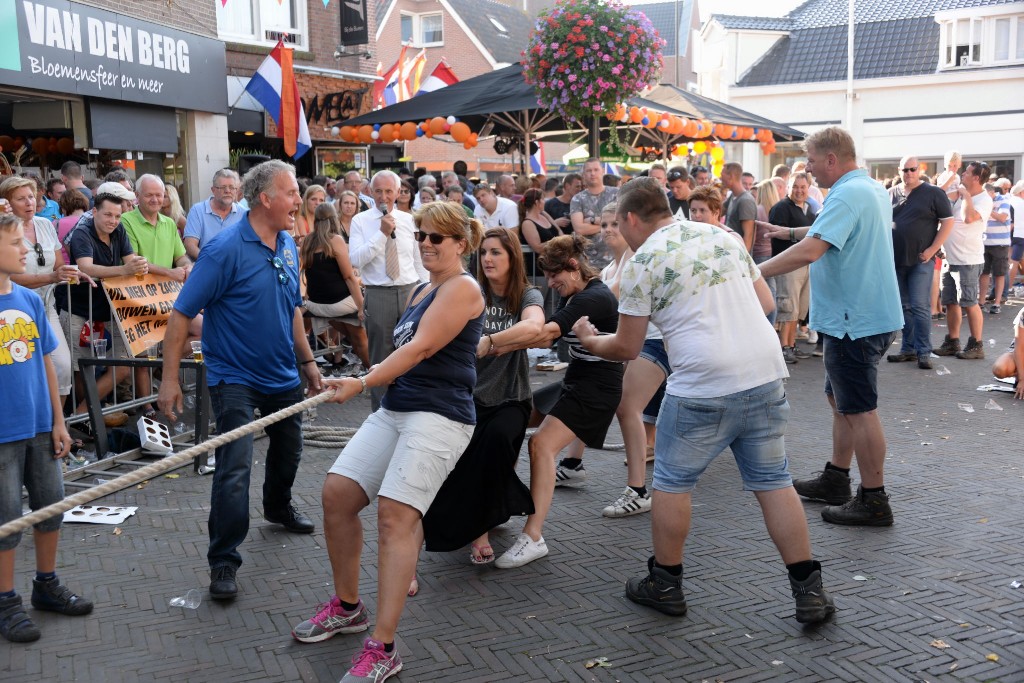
(943, 572)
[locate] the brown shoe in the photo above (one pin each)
(973, 351)
(950, 347)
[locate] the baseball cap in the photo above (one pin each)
(116, 189)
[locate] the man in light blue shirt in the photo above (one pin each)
(207, 218)
(855, 306)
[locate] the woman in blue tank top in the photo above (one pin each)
(404, 451)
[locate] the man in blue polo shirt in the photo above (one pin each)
(855, 305)
(246, 282)
(208, 218)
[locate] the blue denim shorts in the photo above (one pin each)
(693, 431)
(654, 351)
(851, 370)
(29, 462)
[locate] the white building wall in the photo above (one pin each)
(207, 150)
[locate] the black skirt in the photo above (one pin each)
(483, 491)
(585, 400)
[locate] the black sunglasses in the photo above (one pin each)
(278, 264)
(434, 237)
(909, 169)
(40, 258)
(676, 176)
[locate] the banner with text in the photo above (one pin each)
(354, 28)
(141, 307)
(74, 48)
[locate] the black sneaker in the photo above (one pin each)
(813, 603)
(831, 486)
(53, 596)
(865, 509)
(291, 519)
(222, 582)
(15, 624)
(658, 589)
(950, 347)
(973, 351)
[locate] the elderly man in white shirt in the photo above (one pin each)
(383, 247)
(494, 211)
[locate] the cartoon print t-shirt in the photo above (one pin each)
(25, 337)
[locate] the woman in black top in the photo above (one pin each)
(535, 227)
(583, 404)
(332, 290)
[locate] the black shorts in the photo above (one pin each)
(851, 370)
(585, 401)
(997, 260)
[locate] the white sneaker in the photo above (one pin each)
(523, 551)
(570, 479)
(629, 503)
(812, 337)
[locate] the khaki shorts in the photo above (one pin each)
(76, 321)
(403, 456)
(792, 295)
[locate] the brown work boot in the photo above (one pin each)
(831, 486)
(973, 351)
(866, 509)
(950, 347)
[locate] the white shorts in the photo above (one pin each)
(403, 456)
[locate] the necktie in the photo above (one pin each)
(391, 259)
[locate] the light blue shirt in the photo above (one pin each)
(853, 285)
(203, 224)
(50, 211)
(248, 306)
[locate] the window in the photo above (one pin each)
(1008, 45)
(497, 24)
(981, 41)
(263, 22)
(422, 30)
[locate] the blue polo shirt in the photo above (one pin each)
(50, 210)
(247, 309)
(203, 224)
(853, 285)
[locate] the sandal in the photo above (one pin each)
(481, 554)
(414, 586)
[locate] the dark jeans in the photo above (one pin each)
(233, 404)
(851, 370)
(915, 284)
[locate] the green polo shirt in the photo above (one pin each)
(160, 245)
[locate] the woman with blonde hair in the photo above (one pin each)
(332, 289)
(347, 204)
(767, 195)
(172, 207)
(404, 451)
(44, 267)
(314, 196)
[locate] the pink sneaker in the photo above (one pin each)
(373, 664)
(331, 618)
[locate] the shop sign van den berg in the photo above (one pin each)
(110, 55)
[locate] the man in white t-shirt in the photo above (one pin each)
(494, 211)
(965, 251)
(702, 290)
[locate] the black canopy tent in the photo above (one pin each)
(501, 102)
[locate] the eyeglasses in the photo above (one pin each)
(40, 258)
(225, 188)
(278, 264)
(909, 169)
(434, 237)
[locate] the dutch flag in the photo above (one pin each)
(273, 86)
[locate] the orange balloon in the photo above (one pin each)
(460, 132)
(437, 125)
(366, 134)
(39, 145)
(428, 134)
(620, 113)
(467, 145)
(676, 126)
(689, 127)
(65, 146)
(635, 115)
(347, 133)
(385, 133)
(408, 131)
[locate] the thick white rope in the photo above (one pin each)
(156, 468)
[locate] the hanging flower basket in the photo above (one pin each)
(586, 56)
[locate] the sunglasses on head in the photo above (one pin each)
(434, 237)
(676, 176)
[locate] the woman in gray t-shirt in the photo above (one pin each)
(483, 490)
